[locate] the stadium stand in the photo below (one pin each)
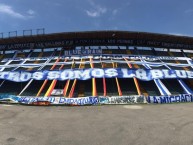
(129, 56)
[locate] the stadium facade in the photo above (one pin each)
(106, 67)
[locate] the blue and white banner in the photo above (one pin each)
(61, 100)
(122, 100)
(98, 100)
(85, 74)
(170, 99)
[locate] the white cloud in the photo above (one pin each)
(8, 10)
(96, 10)
(30, 12)
(179, 34)
(92, 13)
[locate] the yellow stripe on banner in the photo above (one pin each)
(118, 87)
(42, 87)
(50, 88)
(94, 90)
(117, 82)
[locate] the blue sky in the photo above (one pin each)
(159, 16)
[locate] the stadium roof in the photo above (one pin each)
(100, 38)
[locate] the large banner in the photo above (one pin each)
(61, 100)
(85, 74)
(170, 99)
(122, 100)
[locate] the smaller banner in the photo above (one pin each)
(61, 100)
(122, 100)
(170, 99)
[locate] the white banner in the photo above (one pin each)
(122, 100)
(85, 74)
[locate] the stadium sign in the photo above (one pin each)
(85, 74)
(83, 52)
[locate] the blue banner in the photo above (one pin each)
(170, 99)
(85, 74)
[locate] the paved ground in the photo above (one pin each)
(97, 125)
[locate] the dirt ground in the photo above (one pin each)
(170, 124)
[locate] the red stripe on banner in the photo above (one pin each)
(72, 89)
(104, 87)
(66, 88)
